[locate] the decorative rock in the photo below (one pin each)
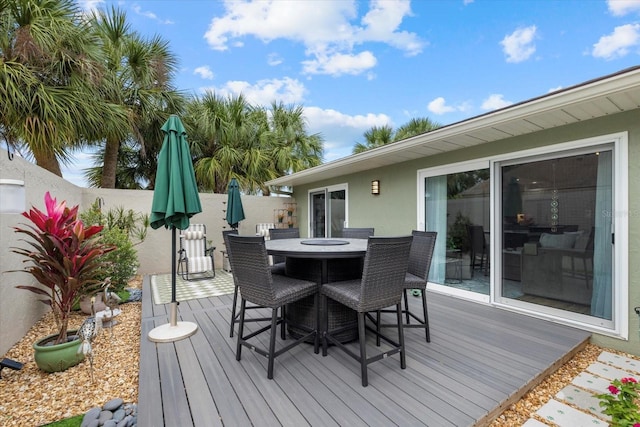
(134, 295)
(105, 416)
(114, 413)
(119, 415)
(112, 405)
(91, 415)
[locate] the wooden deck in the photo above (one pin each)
(479, 361)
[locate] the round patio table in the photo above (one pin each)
(322, 261)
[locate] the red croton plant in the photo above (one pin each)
(63, 257)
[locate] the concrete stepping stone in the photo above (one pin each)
(620, 361)
(607, 371)
(583, 399)
(565, 416)
(591, 382)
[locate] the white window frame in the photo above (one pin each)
(618, 327)
(327, 190)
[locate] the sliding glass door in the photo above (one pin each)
(328, 207)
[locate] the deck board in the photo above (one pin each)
(479, 360)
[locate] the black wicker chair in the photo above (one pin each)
(235, 314)
(278, 266)
(385, 268)
(422, 248)
(357, 233)
(250, 265)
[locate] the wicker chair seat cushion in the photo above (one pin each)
(348, 293)
(414, 282)
(285, 291)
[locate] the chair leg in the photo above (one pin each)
(425, 313)
(325, 324)
(233, 310)
(272, 342)
(243, 304)
(363, 349)
(406, 305)
(283, 325)
(378, 318)
(403, 358)
(316, 340)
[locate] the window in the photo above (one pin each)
(328, 207)
(537, 233)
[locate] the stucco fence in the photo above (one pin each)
(20, 309)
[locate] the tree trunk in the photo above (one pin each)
(110, 163)
(48, 161)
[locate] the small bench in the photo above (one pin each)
(11, 364)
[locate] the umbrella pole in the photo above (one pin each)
(174, 330)
(173, 316)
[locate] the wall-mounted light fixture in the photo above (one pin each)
(375, 187)
(12, 197)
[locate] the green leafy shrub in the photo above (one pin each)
(621, 403)
(123, 229)
(458, 236)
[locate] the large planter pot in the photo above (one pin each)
(59, 357)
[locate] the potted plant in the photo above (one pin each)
(63, 256)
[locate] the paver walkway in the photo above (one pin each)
(575, 405)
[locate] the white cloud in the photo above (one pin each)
(274, 59)
(553, 89)
(90, 5)
(326, 29)
(494, 102)
(618, 43)
(264, 92)
(623, 7)
(338, 64)
(341, 131)
(439, 106)
(518, 46)
(148, 14)
(204, 72)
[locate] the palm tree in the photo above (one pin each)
(50, 80)
(292, 149)
(140, 74)
(415, 126)
(232, 139)
(375, 137)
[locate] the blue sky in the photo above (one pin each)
(357, 64)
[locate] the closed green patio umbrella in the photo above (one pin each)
(175, 200)
(235, 212)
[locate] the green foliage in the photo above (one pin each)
(68, 422)
(123, 229)
(64, 257)
(621, 403)
(457, 235)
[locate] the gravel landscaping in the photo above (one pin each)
(31, 397)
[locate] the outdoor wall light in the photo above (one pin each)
(12, 196)
(375, 187)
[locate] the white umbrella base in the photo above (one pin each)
(174, 330)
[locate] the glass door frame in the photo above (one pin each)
(327, 206)
(460, 167)
(617, 142)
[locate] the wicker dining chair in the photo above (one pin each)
(385, 268)
(278, 266)
(357, 233)
(235, 313)
(250, 264)
(420, 257)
